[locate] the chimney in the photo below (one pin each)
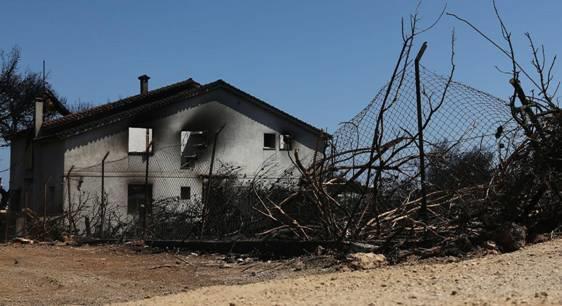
(39, 106)
(144, 84)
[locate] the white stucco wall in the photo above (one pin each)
(239, 144)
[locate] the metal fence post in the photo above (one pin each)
(45, 197)
(69, 216)
(102, 204)
(420, 130)
(208, 190)
(146, 193)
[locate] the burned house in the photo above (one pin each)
(164, 143)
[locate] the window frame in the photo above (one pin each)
(136, 210)
(182, 188)
(14, 200)
(288, 144)
(151, 141)
(187, 137)
(274, 137)
(54, 205)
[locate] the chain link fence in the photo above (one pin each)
(469, 133)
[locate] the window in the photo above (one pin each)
(285, 142)
(139, 140)
(269, 141)
(51, 196)
(185, 193)
(15, 199)
(136, 198)
(192, 144)
(28, 157)
(27, 188)
(184, 139)
(53, 207)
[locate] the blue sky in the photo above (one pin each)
(319, 60)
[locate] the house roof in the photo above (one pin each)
(55, 103)
(76, 123)
(99, 112)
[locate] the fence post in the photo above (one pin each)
(45, 207)
(146, 193)
(45, 196)
(69, 217)
(7, 221)
(102, 204)
(423, 210)
(208, 190)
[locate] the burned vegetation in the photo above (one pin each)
(431, 167)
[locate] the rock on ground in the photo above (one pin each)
(366, 261)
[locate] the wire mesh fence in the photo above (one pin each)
(415, 158)
(470, 124)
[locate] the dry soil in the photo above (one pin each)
(58, 275)
(530, 276)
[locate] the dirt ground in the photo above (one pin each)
(56, 275)
(532, 276)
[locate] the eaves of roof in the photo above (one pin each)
(103, 115)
